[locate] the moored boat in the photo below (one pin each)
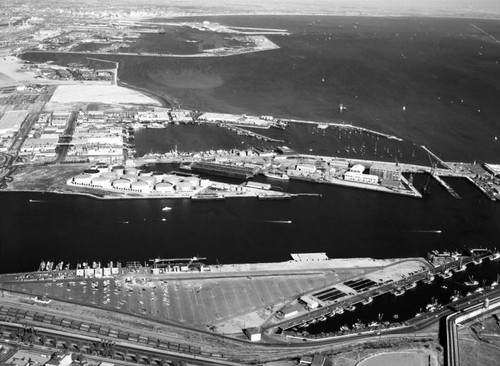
(367, 301)
(276, 175)
(471, 282)
(399, 291)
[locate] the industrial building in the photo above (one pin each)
(356, 174)
(386, 171)
(156, 115)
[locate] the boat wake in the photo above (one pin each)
(276, 221)
(426, 231)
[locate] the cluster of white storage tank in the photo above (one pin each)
(119, 177)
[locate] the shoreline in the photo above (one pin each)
(352, 14)
(164, 102)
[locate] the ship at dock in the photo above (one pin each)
(276, 175)
(225, 170)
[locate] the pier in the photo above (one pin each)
(347, 300)
(343, 125)
(446, 186)
(243, 132)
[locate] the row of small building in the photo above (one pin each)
(120, 178)
(44, 136)
(97, 135)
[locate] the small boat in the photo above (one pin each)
(494, 255)
(350, 308)
(166, 208)
(429, 279)
(479, 290)
(460, 268)
(495, 283)
(456, 296)
(430, 307)
(399, 291)
(411, 286)
(471, 282)
(367, 301)
(276, 175)
(446, 274)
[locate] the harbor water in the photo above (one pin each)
(441, 71)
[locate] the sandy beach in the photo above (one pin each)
(107, 94)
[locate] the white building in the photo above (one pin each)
(305, 168)
(361, 178)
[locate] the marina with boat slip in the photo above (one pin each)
(278, 299)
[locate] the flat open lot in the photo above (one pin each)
(108, 94)
(12, 119)
(222, 301)
(47, 177)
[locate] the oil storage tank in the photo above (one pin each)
(164, 187)
(102, 182)
(121, 183)
(140, 186)
(83, 178)
(184, 187)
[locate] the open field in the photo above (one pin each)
(108, 94)
(48, 177)
(398, 358)
(480, 348)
